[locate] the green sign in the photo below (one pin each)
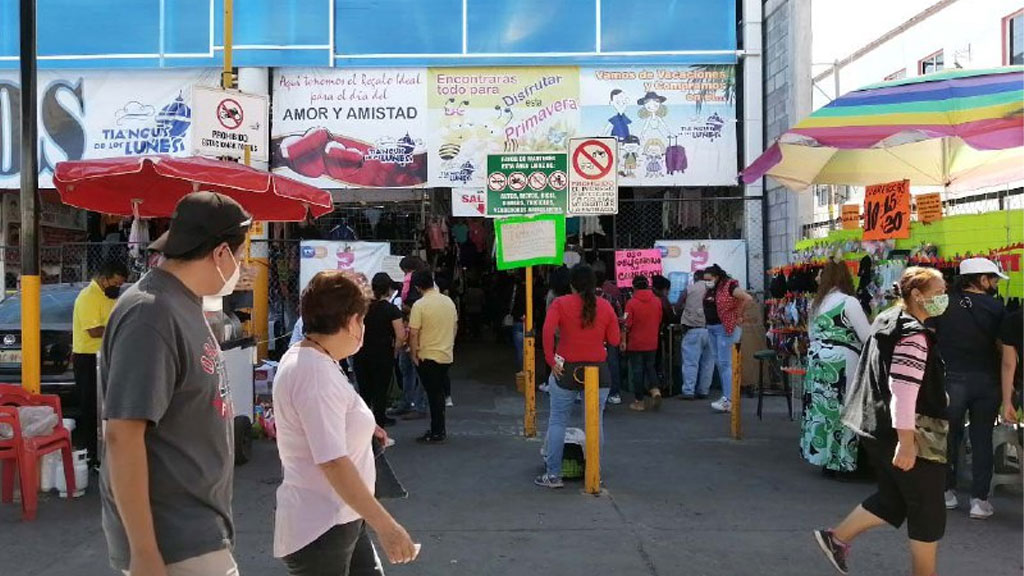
(530, 240)
(519, 184)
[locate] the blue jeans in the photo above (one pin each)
(698, 362)
(562, 402)
(518, 339)
(413, 395)
(721, 345)
(614, 360)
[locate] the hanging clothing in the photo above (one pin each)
(837, 333)
(461, 233)
(138, 237)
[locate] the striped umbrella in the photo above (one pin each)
(960, 129)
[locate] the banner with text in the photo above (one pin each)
(887, 210)
(529, 240)
(632, 263)
(681, 258)
(87, 114)
(526, 184)
(361, 128)
(366, 258)
(469, 203)
(475, 112)
(676, 125)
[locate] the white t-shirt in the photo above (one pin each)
(319, 417)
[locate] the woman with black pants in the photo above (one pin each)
(898, 404)
(375, 363)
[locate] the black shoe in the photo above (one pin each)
(702, 396)
(833, 549)
(431, 438)
(687, 397)
(388, 422)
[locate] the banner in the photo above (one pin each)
(363, 128)
(681, 258)
(87, 114)
(366, 258)
(474, 112)
(887, 210)
(676, 125)
(632, 263)
(529, 241)
(520, 184)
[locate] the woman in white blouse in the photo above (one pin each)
(838, 329)
(324, 438)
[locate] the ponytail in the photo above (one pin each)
(584, 282)
(589, 309)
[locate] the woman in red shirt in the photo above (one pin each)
(585, 325)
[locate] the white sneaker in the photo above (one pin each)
(614, 399)
(981, 509)
(723, 405)
(448, 402)
(951, 502)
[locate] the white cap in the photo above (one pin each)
(981, 266)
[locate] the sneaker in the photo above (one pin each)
(981, 509)
(655, 399)
(390, 442)
(638, 406)
(687, 397)
(724, 405)
(702, 396)
(431, 438)
(614, 399)
(834, 550)
(448, 402)
(951, 502)
(547, 481)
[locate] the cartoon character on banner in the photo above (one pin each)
(654, 152)
(618, 124)
(653, 112)
(699, 257)
(630, 156)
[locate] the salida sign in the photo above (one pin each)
(60, 130)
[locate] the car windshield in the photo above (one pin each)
(56, 305)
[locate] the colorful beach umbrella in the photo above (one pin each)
(959, 129)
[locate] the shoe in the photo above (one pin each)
(390, 442)
(388, 422)
(655, 399)
(638, 405)
(615, 399)
(834, 550)
(546, 481)
(414, 415)
(687, 397)
(724, 406)
(448, 402)
(981, 509)
(951, 502)
(702, 396)
(431, 438)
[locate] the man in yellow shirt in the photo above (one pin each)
(92, 310)
(433, 323)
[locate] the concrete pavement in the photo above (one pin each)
(681, 499)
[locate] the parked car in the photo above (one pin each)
(56, 306)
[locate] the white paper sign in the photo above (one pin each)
(469, 203)
(529, 240)
(680, 258)
(366, 258)
(226, 121)
(392, 265)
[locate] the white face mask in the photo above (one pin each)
(229, 283)
(359, 341)
(709, 283)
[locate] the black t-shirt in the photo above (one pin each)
(379, 339)
(711, 317)
(1012, 334)
(967, 333)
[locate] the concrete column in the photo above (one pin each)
(753, 140)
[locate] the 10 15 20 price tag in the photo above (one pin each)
(887, 210)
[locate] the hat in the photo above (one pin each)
(651, 96)
(199, 218)
(972, 266)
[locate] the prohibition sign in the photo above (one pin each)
(497, 181)
(229, 113)
(517, 181)
(598, 158)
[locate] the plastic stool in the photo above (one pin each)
(775, 376)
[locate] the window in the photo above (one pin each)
(897, 75)
(1013, 39)
(929, 64)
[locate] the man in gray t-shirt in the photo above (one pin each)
(166, 481)
(698, 358)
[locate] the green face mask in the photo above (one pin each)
(936, 305)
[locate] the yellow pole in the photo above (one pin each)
(30, 337)
(593, 429)
(529, 362)
(259, 255)
(227, 77)
(737, 380)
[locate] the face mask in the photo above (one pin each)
(936, 305)
(359, 341)
(992, 289)
(229, 283)
(112, 292)
(709, 283)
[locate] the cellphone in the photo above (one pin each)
(559, 361)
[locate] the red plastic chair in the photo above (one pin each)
(21, 454)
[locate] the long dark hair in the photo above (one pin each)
(833, 275)
(584, 282)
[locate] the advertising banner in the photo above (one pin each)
(475, 112)
(363, 128)
(676, 125)
(469, 203)
(681, 258)
(87, 114)
(520, 184)
(366, 258)
(226, 121)
(529, 240)
(632, 263)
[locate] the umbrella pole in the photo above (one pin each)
(30, 281)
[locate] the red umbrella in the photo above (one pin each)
(150, 187)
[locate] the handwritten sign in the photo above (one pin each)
(929, 208)
(851, 216)
(887, 210)
(530, 241)
(631, 263)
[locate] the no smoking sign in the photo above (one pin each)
(593, 182)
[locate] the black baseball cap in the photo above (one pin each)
(199, 218)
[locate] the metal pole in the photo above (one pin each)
(592, 425)
(30, 338)
(529, 362)
(736, 416)
(833, 187)
(227, 76)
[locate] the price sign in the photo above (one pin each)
(851, 216)
(929, 208)
(887, 210)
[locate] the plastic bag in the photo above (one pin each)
(35, 421)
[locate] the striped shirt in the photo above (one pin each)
(906, 374)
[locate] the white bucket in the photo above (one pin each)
(80, 458)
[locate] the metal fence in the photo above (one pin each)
(674, 216)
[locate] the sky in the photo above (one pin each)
(842, 26)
